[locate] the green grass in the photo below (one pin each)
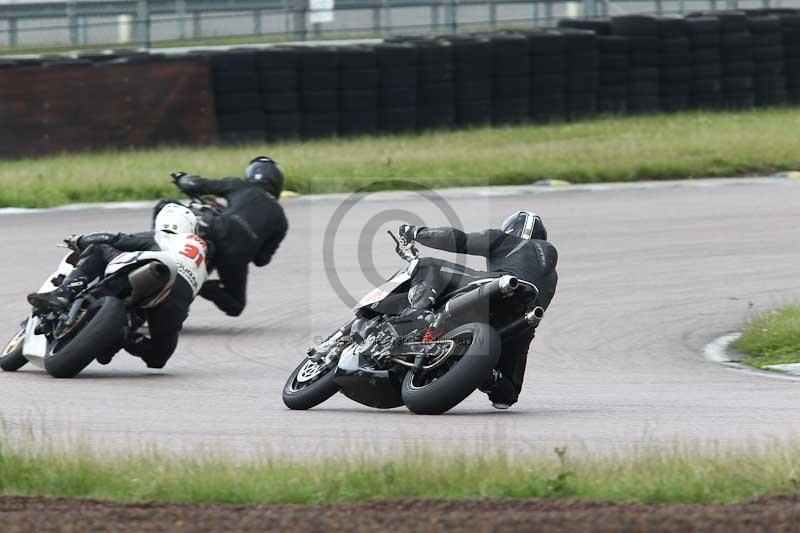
(612, 149)
(227, 40)
(772, 339)
(678, 475)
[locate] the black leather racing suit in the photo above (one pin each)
(165, 321)
(250, 229)
(530, 260)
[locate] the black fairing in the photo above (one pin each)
(366, 385)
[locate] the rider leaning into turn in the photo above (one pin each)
(249, 229)
(97, 250)
(518, 248)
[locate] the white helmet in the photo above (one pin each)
(173, 219)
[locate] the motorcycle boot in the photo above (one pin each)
(500, 390)
(59, 299)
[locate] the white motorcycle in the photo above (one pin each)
(104, 315)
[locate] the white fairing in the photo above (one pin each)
(379, 293)
(134, 259)
(35, 346)
(184, 254)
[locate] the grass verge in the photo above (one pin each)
(772, 339)
(683, 145)
(679, 475)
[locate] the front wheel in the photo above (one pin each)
(12, 359)
(476, 349)
(98, 332)
(310, 384)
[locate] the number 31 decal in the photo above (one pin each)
(193, 252)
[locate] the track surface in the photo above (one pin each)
(649, 275)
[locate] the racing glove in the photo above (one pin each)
(186, 182)
(81, 242)
(408, 233)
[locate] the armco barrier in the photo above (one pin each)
(61, 106)
(625, 64)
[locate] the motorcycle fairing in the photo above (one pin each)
(131, 260)
(390, 286)
(363, 384)
(35, 346)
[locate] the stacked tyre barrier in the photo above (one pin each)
(511, 79)
(581, 75)
(547, 57)
(358, 95)
(472, 65)
(435, 84)
(582, 68)
(769, 80)
(706, 81)
(397, 71)
(675, 62)
(614, 65)
(623, 64)
(643, 77)
(319, 91)
(790, 30)
(237, 96)
(279, 84)
(737, 61)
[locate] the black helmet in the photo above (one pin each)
(265, 171)
(525, 225)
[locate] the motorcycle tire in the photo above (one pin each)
(301, 397)
(12, 359)
(101, 334)
(438, 390)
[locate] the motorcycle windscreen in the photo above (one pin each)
(379, 293)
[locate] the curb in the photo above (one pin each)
(718, 351)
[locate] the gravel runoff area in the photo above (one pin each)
(773, 514)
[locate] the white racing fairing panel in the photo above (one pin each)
(379, 293)
(35, 347)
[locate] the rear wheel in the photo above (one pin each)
(12, 359)
(310, 384)
(98, 332)
(474, 354)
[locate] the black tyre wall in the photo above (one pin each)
(472, 67)
(511, 79)
(435, 84)
(358, 93)
(642, 32)
(547, 56)
(769, 78)
(397, 92)
(237, 94)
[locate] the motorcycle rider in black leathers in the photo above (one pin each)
(249, 229)
(519, 248)
(97, 250)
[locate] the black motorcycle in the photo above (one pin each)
(376, 362)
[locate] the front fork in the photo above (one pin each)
(318, 353)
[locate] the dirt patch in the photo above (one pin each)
(773, 514)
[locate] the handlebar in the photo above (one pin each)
(407, 252)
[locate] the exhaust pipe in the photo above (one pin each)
(507, 285)
(530, 321)
(148, 280)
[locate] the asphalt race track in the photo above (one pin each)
(649, 275)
